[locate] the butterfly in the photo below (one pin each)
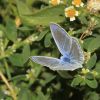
(72, 55)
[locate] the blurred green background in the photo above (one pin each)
(25, 32)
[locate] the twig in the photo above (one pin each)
(7, 69)
(13, 94)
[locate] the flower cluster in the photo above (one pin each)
(71, 12)
(55, 2)
(77, 3)
(93, 5)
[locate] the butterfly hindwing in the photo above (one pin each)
(46, 61)
(55, 64)
(76, 52)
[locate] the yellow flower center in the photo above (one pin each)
(17, 21)
(77, 2)
(94, 73)
(54, 2)
(85, 71)
(70, 12)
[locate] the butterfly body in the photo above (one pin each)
(65, 58)
(72, 55)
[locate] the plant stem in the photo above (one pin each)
(13, 94)
(16, 45)
(7, 69)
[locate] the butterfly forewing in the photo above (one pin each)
(62, 39)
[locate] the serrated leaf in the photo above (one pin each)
(91, 83)
(45, 16)
(92, 61)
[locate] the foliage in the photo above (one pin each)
(24, 32)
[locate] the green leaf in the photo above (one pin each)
(25, 94)
(92, 96)
(45, 16)
(91, 83)
(77, 80)
(47, 41)
(48, 77)
(2, 95)
(19, 59)
(64, 74)
(97, 67)
(23, 9)
(83, 19)
(18, 78)
(91, 63)
(42, 34)
(94, 44)
(41, 96)
(11, 31)
(26, 53)
(16, 59)
(87, 42)
(24, 28)
(89, 76)
(37, 68)
(80, 31)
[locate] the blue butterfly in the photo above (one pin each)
(72, 55)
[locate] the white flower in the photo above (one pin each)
(78, 3)
(71, 13)
(55, 2)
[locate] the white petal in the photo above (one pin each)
(58, 1)
(77, 6)
(66, 9)
(62, 2)
(50, 1)
(72, 18)
(71, 7)
(66, 15)
(76, 13)
(72, 2)
(82, 4)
